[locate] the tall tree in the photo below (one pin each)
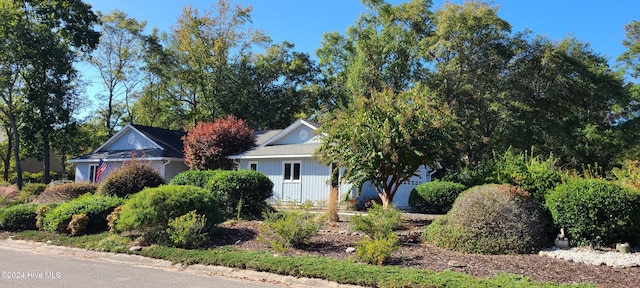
(118, 61)
(384, 139)
(47, 38)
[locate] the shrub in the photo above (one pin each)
(378, 221)
(65, 192)
(18, 217)
(30, 191)
(129, 179)
(78, 224)
(200, 178)
(186, 231)
(149, 210)
(42, 210)
(628, 175)
(207, 145)
(435, 196)
(588, 208)
(96, 207)
(289, 229)
(492, 219)
(378, 250)
(531, 173)
(8, 194)
(241, 193)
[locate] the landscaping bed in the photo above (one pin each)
(336, 238)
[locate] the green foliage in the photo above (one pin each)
(242, 192)
(111, 243)
(30, 191)
(78, 224)
(588, 208)
(471, 176)
(42, 210)
(187, 231)
(94, 206)
(531, 173)
(377, 250)
(492, 219)
(150, 210)
(18, 217)
(131, 178)
(378, 222)
(282, 230)
(435, 196)
(65, 192)
(628, 175)
(386, 138)
(207, 145)
(199, 178)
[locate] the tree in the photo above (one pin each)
(207, 145)
(42, 40)
(118, 61)
(384, 139)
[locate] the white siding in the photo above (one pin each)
(401, 198)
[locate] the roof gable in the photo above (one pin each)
(138, 137)
(293, 135)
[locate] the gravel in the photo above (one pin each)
(594, 257)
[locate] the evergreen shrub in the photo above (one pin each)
(241, 193)
(65, 192)
(199, 178)
(129, 179)
(95, 207)
(588, 208)
(435, 196)
(18, 217)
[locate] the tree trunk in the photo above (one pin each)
(16, 152)
(47, 159)
(7, 158)
(333, 205)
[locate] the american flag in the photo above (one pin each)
(102, 166)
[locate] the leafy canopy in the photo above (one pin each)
(386, 138)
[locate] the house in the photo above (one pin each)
(162, 148)
(286, 157)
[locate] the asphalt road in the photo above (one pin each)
(27, 265)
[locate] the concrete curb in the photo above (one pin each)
(137, 260)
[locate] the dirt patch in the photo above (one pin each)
(337, 237)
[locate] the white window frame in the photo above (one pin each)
(93, 169)
(291, 171)
(251, 163)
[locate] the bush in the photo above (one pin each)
(42, 210)
(150, 210)
(30, 191)
(493, 219)
(241, 194)
(78, 224)
(129, 179)
(18, 217)
(289, 229)
(588, 208)
(435, 196)
(378, 250)
(65, 192)
(378, 221)
(200, 178)
(186, 231)
(8, 194)
(96, 207)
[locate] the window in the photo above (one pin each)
(291, 171)
(92, 173)
(253, 166)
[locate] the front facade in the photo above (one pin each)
(161, 148)
(286, 157)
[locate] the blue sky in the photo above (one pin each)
(302, 22)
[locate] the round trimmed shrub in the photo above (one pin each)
(588, 208)
(493, 219)
(129, 179)
(150, 210)
(241, 193)
(200, 178)
(435, 196)
(65, 192)
(18, 217)
(95, 207)
(30, 191)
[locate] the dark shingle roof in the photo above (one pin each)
(170, 140)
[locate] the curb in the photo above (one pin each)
(137, 260)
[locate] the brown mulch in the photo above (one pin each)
(333, 242)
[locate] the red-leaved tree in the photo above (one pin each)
(207, 145)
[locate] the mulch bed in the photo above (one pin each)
(413, 253)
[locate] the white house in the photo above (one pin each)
(162, 148)
(286, 157)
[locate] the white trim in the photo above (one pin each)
(287, 130)
(270, 156)
(123, 131)
(123, 159)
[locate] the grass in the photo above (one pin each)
(341, 271)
